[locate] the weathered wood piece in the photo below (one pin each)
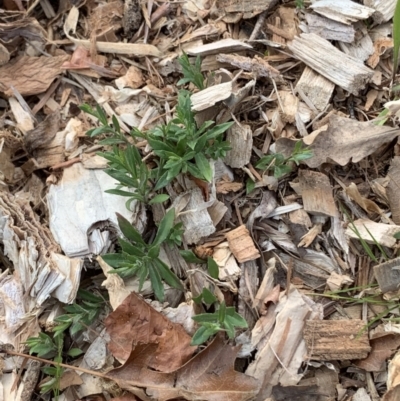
(317, 88)
(290, 106)
(195, 217)
(221, 46)
(345, 11)
(210, 96)
(232, 9)
(317, 194)
(388, 275)
(320, 55)
(330, 30)
(382, 233)
(248, 284)
(328, 340)
(241, 141)
(384, 9)
(393, 189)
(242, 245)
(362, 48)
(256, 65)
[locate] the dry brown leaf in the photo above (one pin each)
(383, 347)
(210, 375)
(30, 75)
(342, 140)
(134, 322)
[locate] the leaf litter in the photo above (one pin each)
(283, 186)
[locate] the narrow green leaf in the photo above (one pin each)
(213, 268)
(165, 227)
(190, 257)
(128, 230)
(222, 312)
(160, 198)
(208, 296)
(250, 185)
(168, 275)
(156, 283)
(202, 335)
(114, 259)
(74, 352)
(204, 166)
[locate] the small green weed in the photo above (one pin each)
(184, 148)
(78, 318)
(223, 319)
(191, 73)
(141, 259)
(282, 165)
(212, 267)
(396, 39)
(300, 4)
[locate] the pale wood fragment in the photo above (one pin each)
(382, 233)
(320, 55)
(345, 11)
(230, 9)
(290, 106)
(4, 55)
(258, 66)
(221, 46)
(384, 9)
(388, 275)
(242, 245)
(329, 29)
(248, 284)
(210, 96)
(328, 340)
(317, 88)
(362, 48)
(317, 193)
(194, 216)
(241, 142)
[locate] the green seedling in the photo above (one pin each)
(223, 319)
(44, 346)
(191, 72)
(212, 266)
(282, 165)
(184, 148)
(396, 39)
(139, 258)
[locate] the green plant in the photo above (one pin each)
(135, 179)
(184, 148)
(78, 318)
(212, 266)
(282, 165)
(80, 315)
(300, 3)
(191, 72)
(223, 319)
(142, 259)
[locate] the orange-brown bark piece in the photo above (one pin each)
(135, 321)
(209, 376)
(241, 244)
(30, 75)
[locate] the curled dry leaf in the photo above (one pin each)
(342, 140)
(210, 375)
(134, 322)
(383, 347)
